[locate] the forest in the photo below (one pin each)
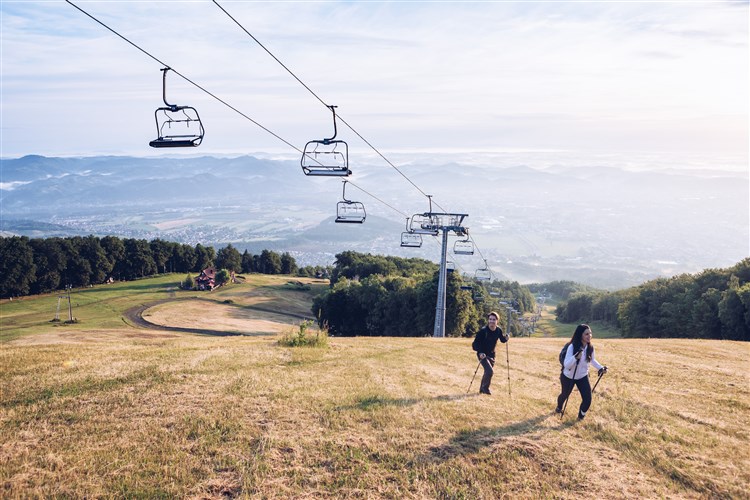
(373, 295)
(42, 265)
(712, 304)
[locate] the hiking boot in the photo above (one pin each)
(558, 410)
(485, 391)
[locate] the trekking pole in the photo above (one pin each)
(507, 361)
(565, 405)
(472, 378)
(597, 381)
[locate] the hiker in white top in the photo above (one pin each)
(575, 371)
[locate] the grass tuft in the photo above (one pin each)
(300, 337)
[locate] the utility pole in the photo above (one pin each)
(70, 305)
(57, 312)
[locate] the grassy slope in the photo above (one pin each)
(104, 409)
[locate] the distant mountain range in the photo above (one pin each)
(604, 226)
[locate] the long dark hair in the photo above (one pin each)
(577, 341)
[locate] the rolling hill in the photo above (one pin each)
(103, 408)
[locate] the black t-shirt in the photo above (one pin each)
(486, 340)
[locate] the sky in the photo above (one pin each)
(580, 78)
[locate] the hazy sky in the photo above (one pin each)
(589, 77)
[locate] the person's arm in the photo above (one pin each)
(503, 337)
(570, 359)
(476, 344)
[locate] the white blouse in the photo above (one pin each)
(583, 366)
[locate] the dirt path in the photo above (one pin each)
(134, 316)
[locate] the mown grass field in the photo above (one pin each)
(102, 408)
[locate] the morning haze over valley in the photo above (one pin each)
(534, 217)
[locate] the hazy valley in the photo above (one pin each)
(601, 225)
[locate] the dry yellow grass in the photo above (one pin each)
(138, 413)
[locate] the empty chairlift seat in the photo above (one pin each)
(347, 211)
(176, 126)
(350, 212)
(326, 157)
(411, 240)
(463, 247)
(483, 274)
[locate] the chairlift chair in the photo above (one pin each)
(463, 247)
(347, 211)
(176, 126)
(411, 240)
(326, 157)
(423, 224)
(483, 274)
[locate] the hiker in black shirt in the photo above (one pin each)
(484, 344)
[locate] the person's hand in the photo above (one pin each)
(482, 355)
(602, 370)
(578, 355)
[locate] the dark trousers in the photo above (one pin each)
(584, 387)
(487, 364)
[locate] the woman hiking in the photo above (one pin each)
(575, 371)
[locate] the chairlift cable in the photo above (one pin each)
(321, 100)
(187, 79)
(225, 103)
(270, 53)
(216, 97)
(378, 199)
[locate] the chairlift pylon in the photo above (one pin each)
(348, 211)
(176, 126)
(328, 157)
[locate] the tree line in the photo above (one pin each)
(712, 304)
(375, 295)
(42, 265)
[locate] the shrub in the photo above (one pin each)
(188, 283)
(300, 337)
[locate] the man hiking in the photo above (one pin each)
(484, 344)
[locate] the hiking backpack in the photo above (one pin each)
(562, 354)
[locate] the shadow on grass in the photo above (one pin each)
(470, 442)
(374, 402)
(465, 442)
(134, 286)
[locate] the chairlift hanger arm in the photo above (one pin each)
(172, 107)
(335, 132)
(343, 194)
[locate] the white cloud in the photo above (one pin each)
(578, 76)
